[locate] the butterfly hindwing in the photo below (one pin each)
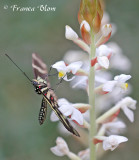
(43, 111)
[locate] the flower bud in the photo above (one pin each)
(96, 23)
(105, 34)
(70, 33)
(85, 29)
(91, 11)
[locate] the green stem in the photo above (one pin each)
(92, 101)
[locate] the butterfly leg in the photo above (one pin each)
(50, 71)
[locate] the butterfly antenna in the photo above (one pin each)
(18, 67)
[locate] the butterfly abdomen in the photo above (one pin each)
(43, 111)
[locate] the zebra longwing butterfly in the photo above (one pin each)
(42, 87)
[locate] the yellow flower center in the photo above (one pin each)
(61, 74)
(124, 86)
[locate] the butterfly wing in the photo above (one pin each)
(40, 70)
(39, 67)
(54, 105)
(43, 111)
(64, 121)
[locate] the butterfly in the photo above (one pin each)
(42, 87)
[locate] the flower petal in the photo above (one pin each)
(103, 62)
(77, 116)
(53, 117)
(63, 101)
(121, 139)
(113, 141)
(106, 30)
(103, 50)
(85, 31)
(67, 110)
(61, 147)
(122, 78)
(60, 66)
(129, 113)
(74, 67)
(82, 107)
(80, 82)
(115, 127)
(109, 86)
(56, 151)
(84, 155)
(106, 33)
(70, 33)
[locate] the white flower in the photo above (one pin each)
(113, 142)
(103, 50)
(102, 77)
(63, 69)
(126, 105)
(61, 147)
(115, 127)
(110, 99)
(80, 82)
(84, 155)
(102, 53)
(75, 55)
(118, 82)
(70, 33)
(124, 64)
(106, 31)
(103, 61)
(105, 20)
(68, 109)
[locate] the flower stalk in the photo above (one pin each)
(92, 100)
(87, 72)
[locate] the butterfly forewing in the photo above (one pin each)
(62, 118)
(39, 67)
(40, 70)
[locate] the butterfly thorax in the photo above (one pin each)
(40, 85)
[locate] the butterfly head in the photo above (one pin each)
(37, 86)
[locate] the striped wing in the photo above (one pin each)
(64, 120)
(43, 111)
(39, 67)
(40, 70)
(53, 104)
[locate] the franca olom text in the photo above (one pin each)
(31, 9)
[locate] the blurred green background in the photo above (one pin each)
(21, 34)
